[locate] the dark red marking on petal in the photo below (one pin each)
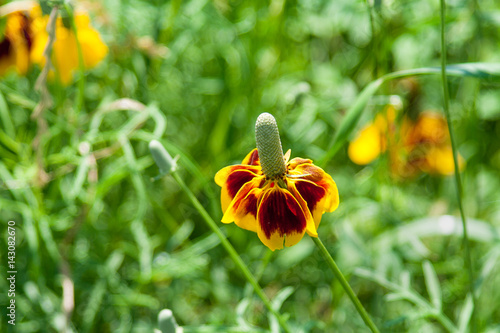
(311, 193)
(5, 47)
(249, 204)
(254, 158)
(27, 31)
(279, 212)
(236, 180)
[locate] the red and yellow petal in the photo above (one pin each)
(295, 162)
(311, 226)
(319, 177)
(15, 43)
(252, 158)
(281, 219)
(243, 209)
(231, 179)
(314, 196)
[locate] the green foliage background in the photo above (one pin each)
(85, 206)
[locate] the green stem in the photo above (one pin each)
(231, 251)
(373, 41)
(458, 181)
(340, 277)
(81, 64)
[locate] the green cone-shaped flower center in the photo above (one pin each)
(268, 142)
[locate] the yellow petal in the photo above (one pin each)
(366, 146)
(440, 160)
(231, 179)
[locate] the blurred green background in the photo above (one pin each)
(87, 212)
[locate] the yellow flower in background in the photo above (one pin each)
(26, 36)
(65, 51)
(278, 199)
(422, 145)
(15, 43)
(429, 142)
(372, 139)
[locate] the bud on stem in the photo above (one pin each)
(167, 323)
(268, 142)
(162, 158)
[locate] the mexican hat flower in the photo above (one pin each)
(15, 43)
(26, 36)
(65, 49)
(278, 198)
(421, 145)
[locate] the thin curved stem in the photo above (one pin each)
(231, 251)
(458, 181)
(340, 277)
(81, 64)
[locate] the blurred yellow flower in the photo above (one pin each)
(65, 51)
(26, 36)
(15, 44)
(372, 139)
(422, 145)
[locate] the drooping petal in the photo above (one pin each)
(252, 158)
(319, 177)
(281, 219)
(93, 48)
(313, 195)
(231, 179)
(243, 209)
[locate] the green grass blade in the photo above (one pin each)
(351, 119)
(432, 284)
(465, 314)
(5, 117)
(458, 180)
(277, 302)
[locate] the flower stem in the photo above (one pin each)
(81, 64)
(340, 277)
(458, 181)
(231, 251)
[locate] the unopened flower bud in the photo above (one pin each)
(167, 323)
(162, 158)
